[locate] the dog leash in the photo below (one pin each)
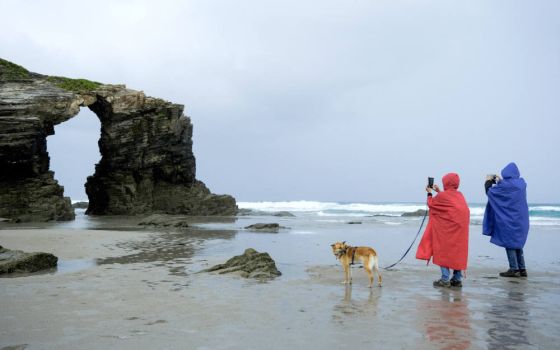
(411, 244)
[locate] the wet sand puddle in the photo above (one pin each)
(170, 249)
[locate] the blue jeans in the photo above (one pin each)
(516, 259)
(445, 274)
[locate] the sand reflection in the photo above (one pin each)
(363, 304)
(509, 319)
(447, 320)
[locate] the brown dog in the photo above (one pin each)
(348, 255)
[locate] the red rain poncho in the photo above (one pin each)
(446, 238)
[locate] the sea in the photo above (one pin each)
(387, 213)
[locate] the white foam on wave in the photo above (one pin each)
(545, 208)
(544, 221)
(477, 211)
(392, 223)
(303, 233)
(322, 213)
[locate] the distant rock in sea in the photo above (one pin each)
(80, 205)
(17, 261)
(354, 222)
(244, 212)
(251, 264)
(265, 227)
(419, 212)
(147, 164)
(283, 214)
(252, 212)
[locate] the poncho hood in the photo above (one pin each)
(450, 181)
(511, 171)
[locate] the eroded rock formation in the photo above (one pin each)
(146, 165)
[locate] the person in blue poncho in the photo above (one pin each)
(506, 218)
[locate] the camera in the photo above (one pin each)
(431, 182)
(492, 177)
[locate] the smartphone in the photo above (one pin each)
(431, 182)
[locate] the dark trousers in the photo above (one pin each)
(516, 259)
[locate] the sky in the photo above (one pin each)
(355, 101)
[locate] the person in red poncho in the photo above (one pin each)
(446, 238)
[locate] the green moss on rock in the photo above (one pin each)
(12, 71)
(74, 85)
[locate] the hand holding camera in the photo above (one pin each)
(493, 177)
(431, 186)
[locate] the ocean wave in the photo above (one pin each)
(540, 215)
(331, 207)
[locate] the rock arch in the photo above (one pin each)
(146, 165)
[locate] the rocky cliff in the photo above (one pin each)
(146, 165)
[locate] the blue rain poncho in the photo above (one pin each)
(506, 218)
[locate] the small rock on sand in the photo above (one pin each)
(161, 220)
(251, 264)
(18, 261)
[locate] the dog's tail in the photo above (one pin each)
(374, 262)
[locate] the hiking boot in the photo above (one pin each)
(442, 283)
(523, 273)
(455, 283)
(510, 273)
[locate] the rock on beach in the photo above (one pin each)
(251, 264)
(160, 220)
(18, 261)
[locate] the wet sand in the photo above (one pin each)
(124, 289)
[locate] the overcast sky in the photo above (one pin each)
(316, 100)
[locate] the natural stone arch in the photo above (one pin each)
(146, 165)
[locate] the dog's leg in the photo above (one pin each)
(370, 274)
(346, 273)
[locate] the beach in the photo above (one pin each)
(122, 286)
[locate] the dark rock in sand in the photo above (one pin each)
(147, 164)
(251, 264)
(419, 212)
(160, 220)
(272, 227)
(18, 261)
(80, 205)
(15, 347)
